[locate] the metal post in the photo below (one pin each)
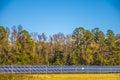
(46, 71)
(61, 68)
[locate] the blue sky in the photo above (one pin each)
(53, 16)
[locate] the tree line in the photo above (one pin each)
(82, 47)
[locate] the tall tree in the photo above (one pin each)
(83, 47)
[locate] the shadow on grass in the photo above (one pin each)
(12, 76)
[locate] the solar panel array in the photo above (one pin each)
(57, 69)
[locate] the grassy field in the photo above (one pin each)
(60, 76)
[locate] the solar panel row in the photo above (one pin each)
(57, 69)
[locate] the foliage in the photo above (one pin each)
(82, 47)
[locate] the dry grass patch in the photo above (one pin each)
(60, 76)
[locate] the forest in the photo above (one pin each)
(82, 47)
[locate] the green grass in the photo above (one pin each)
(115, 76)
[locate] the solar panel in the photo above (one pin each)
(57, 69)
